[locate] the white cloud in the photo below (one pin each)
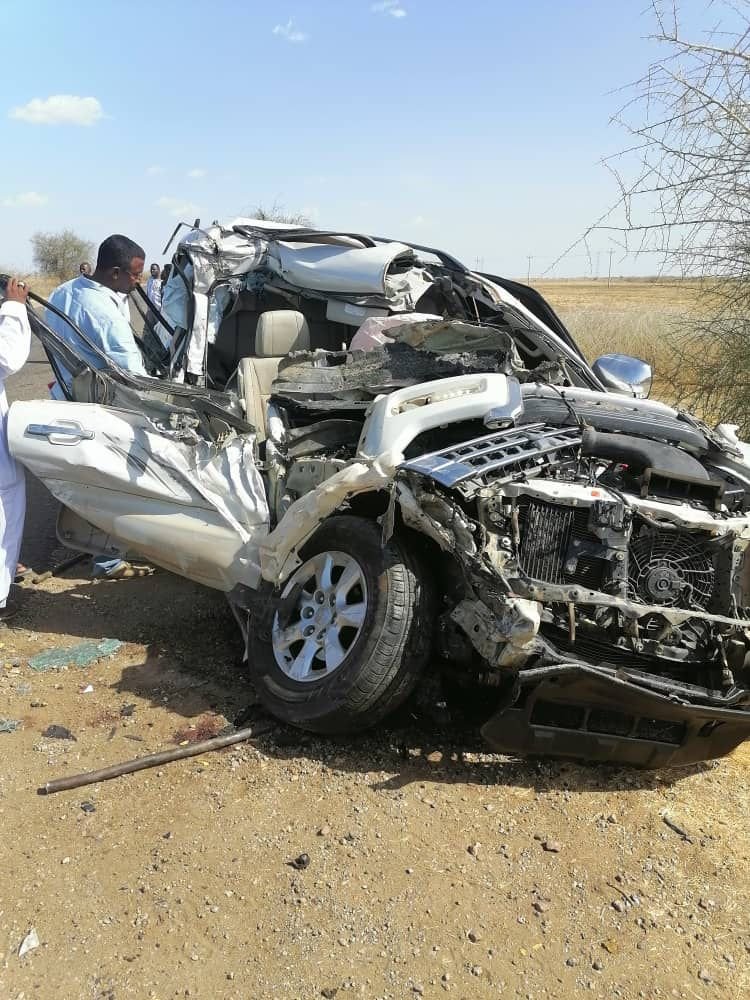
(289, 32)
(196, 173)
(28, 199)
(155, 170)
(60, 109)
(390, 7)
(177, 207)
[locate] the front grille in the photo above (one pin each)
(499, 457)
(547, 533)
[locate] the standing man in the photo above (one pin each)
(153, 286)
(99, 307)
(85, 268)
(15, 344)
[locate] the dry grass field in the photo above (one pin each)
(636, 317)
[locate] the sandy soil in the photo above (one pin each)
(429, 869)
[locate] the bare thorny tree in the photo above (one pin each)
(685, 191)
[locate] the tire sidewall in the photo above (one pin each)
(306, 700)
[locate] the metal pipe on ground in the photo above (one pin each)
(153, 760)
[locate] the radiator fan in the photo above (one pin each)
(670, 568)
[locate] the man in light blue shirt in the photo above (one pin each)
(98, 305)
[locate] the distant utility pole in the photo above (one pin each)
(528, 271)
(609, 273)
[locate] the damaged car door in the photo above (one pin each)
(154, 468)
(192, 506)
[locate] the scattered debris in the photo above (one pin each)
(133, 737)
(9, 725)
(553, 846)
(38, 704)
(89, 689)
(88, 807)
(67, 564)
(56, 732)
(29, 943)
(83, 654)
(151, 760)
(474, 849)
(126, 711)
(680, 831)
(206, 728)
(301, 862)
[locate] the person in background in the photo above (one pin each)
(153, 286)
(99, 307)
(85, 268)
(15, 344)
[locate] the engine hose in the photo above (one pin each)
(641, 454)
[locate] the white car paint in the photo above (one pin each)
(189, 506)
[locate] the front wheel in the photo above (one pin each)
(349, 634)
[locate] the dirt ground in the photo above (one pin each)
(434, 867)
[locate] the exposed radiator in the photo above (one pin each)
(547, 533)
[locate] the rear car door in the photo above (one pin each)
(150, 484)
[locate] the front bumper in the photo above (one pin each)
(599, 714)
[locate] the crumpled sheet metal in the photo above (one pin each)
(503, 640)
(82, 655)
(278, 551)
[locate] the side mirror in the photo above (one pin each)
(623, 374)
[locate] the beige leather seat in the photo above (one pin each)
(278, 333)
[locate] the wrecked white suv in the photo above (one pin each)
(391, 465)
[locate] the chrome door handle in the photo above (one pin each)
(67, 433)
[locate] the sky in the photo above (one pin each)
(478, 127)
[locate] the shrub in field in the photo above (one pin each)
(59, 255)
(685, 183)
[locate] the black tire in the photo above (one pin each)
(385, 660)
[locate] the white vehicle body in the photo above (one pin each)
(590, 545)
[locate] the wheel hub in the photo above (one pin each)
(326, 619)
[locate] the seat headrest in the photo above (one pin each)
(280, 331)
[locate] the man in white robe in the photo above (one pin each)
(15, 344)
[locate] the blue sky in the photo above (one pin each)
(474, 126)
